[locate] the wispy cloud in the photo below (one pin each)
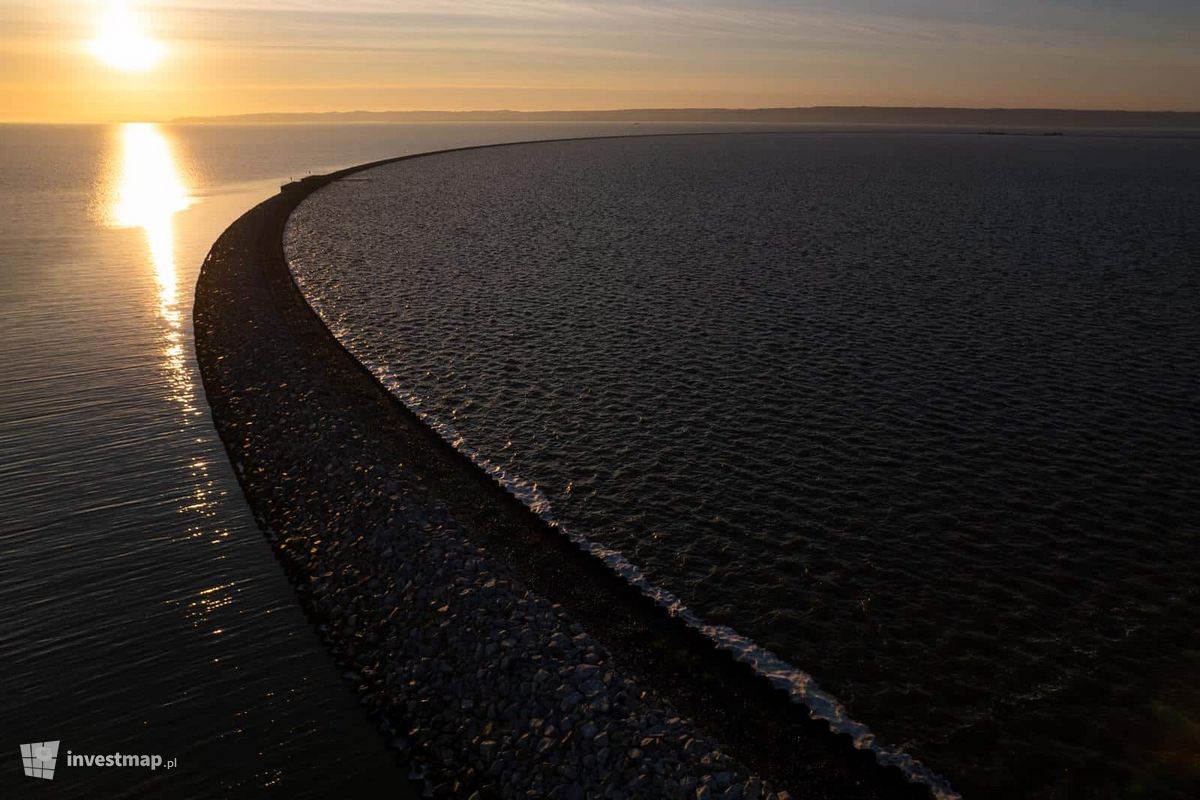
(852, 22)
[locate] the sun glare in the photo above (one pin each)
(122, 44)
(149, 193)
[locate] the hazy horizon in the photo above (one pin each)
(981, 118)
(833, 114)
(98, 60)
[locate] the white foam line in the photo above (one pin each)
(799, 685)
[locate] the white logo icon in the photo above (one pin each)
(39, 759)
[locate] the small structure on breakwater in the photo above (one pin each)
(307, 183)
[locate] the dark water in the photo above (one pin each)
(142, 609)
(917, 412)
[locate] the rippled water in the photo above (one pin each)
(919, 412)
(143, 611)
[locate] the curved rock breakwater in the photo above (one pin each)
(497, 657)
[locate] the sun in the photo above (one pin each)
(121, 43)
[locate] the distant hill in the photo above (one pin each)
(843, 115)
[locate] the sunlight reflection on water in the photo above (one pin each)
(149, 192)
(146, 189)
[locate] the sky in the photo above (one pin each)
(163, 59)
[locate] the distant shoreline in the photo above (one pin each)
(815, 115)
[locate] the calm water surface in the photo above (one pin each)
(143, 612)
(919, 412)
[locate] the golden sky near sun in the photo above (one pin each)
(159, 59)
